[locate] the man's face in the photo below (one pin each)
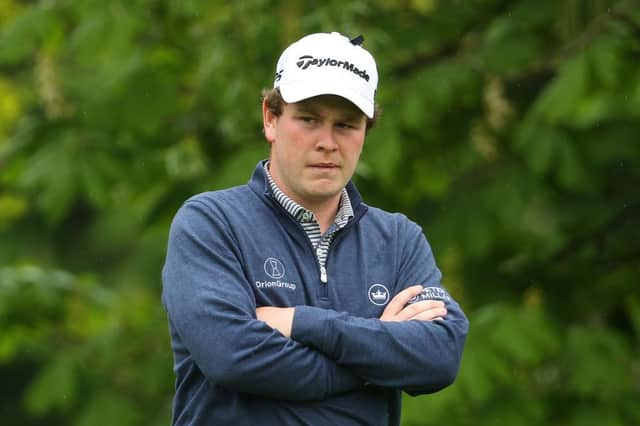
(315, 147)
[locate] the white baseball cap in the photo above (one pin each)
(328, 64)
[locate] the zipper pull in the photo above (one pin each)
(323, 274)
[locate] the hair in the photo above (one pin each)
(274, 101)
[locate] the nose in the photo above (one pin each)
(326, 140)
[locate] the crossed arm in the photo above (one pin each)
(281, 319)
(415, 347)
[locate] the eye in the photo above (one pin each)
(344, 125)
(307, 119)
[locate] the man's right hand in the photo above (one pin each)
(425, 310)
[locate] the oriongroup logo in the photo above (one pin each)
(274, 268)
(378, 294)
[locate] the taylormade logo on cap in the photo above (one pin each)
(328, 64)
(306, 60)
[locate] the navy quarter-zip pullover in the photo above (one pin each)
(233, 250)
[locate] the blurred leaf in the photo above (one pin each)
(30, 300)
(23, 34)
(381, 150)
(588, 351)
(633, 305)
(11, 208)
(117, 407)
(54, 387)
(51, 173)
(606, 58)
(571, 171)
(185, 160)
(506, 49)
(557, 103)
(10, 108)
(233, 171)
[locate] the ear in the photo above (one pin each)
(269, 120)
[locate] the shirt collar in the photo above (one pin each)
(345, 210)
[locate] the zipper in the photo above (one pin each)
(338, 236)
(324, 294)
(324, 279)
(323, 274)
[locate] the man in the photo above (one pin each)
(290, 301)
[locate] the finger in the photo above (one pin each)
(414, 309)
(430, 315)
(405, 295)
(400, 300)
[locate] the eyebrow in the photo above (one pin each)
(345, 114)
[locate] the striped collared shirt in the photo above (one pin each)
(307, 220)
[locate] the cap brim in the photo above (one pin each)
(293, 92)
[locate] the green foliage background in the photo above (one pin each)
(510, 131)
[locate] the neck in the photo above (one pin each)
(324, 209)
(325, 212)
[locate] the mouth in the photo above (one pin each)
(327, 166)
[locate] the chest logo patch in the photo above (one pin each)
(274, 268)
(378, 294)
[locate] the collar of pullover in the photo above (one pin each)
(260, 185)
